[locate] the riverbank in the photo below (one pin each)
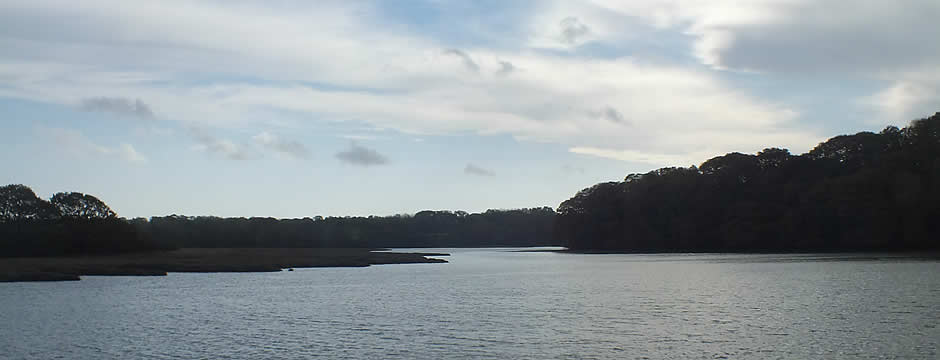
(199, 260)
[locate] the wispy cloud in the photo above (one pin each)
(572, 30)
(361, 156)
(652, 159)
(274, 143)
(905, 100)
(128, 153)
(610, 114)
(572, 169)
(359, 137)
(477, 171)
(465, 58)
(505, 68)
(224, 147)
(118, 106)
(411, 89)
(73, 142)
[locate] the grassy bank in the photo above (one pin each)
(198, 260)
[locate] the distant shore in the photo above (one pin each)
(200, 260)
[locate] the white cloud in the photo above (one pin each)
(73, 143)
(802, 36)
(129, 154)
(208, 143)
(359, 137)
(818, 40)
(652, 159)
(572, 31)
(381, 77)
(287, 147)
(906, 100)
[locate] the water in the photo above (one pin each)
(494, 303)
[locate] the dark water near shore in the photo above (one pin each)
(494, 303)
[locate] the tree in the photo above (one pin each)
(733, 167)
(862, 192)
(19, 202)
(772, 158)
(81, 206)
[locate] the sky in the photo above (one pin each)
(290, 108)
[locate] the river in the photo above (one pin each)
(495, 304)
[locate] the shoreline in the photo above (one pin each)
(200, 260)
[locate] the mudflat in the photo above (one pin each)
(199, 260)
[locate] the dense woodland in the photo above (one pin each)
(521, 227)
(862, 192)
(68, 223)
(75, 223)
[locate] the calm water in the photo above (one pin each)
(494, 304)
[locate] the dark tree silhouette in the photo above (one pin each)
(521, 227)
(82, 206)
(857, 192)
(76, 223)
(72, 223)
(19, 202)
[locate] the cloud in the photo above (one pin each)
(320, 66)
(465, 58)
(128, 153)
(572, 30)
(905, 100)
(73, 142)
(224, 147)
(573, 169)
(119, 106)
(653, 159)
(803, 37)
(797, 36)
(359, 137)
(274, 143)
(477, 171)
(610, 114)
(505, 68)
(361, 156)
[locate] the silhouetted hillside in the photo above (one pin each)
(868, 191)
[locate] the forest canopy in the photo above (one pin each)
(863, 192)
(68, 223)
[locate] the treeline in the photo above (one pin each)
(520, 227)
(67, 224)
(862, 192)
(75, 223)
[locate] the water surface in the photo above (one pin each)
(494, 303)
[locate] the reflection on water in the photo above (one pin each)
(495, 303)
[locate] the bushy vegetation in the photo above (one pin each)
(862, 192)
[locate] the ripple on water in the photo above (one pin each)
(493, 304)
